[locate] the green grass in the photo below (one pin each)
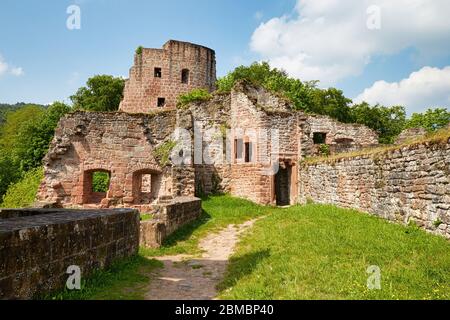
(323, 252)
(218, 212)
(124, 280)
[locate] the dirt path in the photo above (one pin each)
(188, 278)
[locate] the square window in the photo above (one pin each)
(319, 137)
(161, 102)
(158, 73)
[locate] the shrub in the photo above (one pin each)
(324, 149)
(139, 50)
(163, 151)
(196, 95)
(23, 193)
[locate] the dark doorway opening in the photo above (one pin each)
(283, 185)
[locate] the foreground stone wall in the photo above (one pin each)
(404, 184)
(37, 246)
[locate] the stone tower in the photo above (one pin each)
(159, 76)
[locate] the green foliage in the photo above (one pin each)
(139, 50)
(100, 181)
(34, 137)
(5, 108)
(388, 122)
(324, 149)
(8, 173)
(437, 223)
(24, 140)
(163, 151)
(146, 216)
(102, 93)
(23, 193)
(196, 95)
(431, 120)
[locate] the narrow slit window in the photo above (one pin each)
(158, 73)
(185, 76)
(248, 152)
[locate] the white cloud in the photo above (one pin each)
(17, 72)
(5, 68)
(428, 87)
(329, 40)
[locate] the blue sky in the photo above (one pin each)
(43, 61)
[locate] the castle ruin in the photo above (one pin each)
(236, 130)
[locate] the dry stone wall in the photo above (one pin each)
(411, 183)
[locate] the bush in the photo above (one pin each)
(324, 149)
(23, 193)
(196, 95)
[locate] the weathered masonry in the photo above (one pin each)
(37, 246)
(250, 144)
(159, 76)
(410, 183)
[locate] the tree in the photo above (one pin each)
(431, 120)
(102, 93)
(33, 139)
(388, 122)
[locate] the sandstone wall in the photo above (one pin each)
(37, 246)
(268, 122)
(118, 143)
(409, 183)
(341, 137)
(143, 89)
(169, 217)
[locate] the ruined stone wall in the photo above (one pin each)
(118, 143)
(37, 247)
(254, 114)
(168, 218)
(211, 120)
(143, 89)
(341, 137)
(409, 183)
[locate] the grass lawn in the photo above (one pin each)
(125, 280)
(323, 252)
(218, 212)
